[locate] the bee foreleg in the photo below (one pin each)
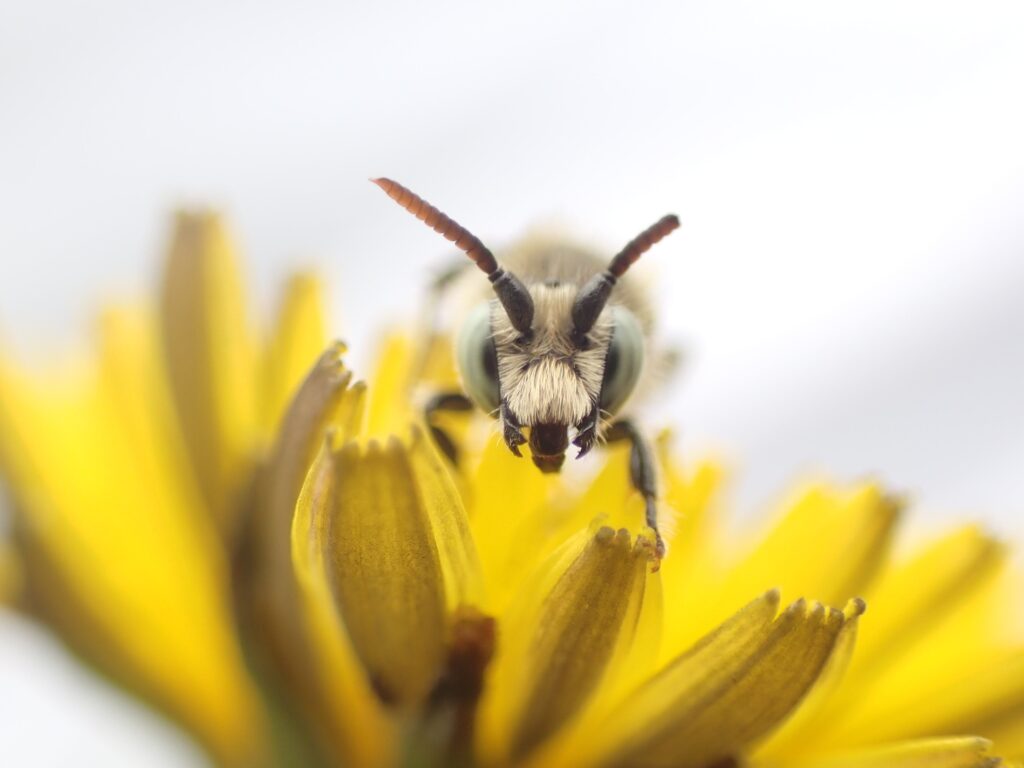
(445, 402)
(587, 431)
(641, 472)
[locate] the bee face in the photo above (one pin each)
(550, 380)
(553, 380)
(547, 354)
(550, 376)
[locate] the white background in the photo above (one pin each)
(847, 282)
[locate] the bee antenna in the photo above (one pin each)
(512, 294)
(594, 295)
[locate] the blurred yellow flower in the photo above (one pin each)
(276, 556)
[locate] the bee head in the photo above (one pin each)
(557, 380)
(550, 379)
(550, 357)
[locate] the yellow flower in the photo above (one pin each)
(277, 556)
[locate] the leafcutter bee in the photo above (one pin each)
(559, 348)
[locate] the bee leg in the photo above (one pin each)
(445, 402)
(587, 431)
(512, 430)
(641, 473)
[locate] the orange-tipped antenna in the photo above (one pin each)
(594, 295)
(512, 294)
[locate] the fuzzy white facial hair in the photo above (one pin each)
(548, 380)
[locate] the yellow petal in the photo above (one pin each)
(521, 516)
(808, 717)
(941, 632)
(297, 340)
(287, 632)
(362, 734)
(989, 702)
(437, 365)
(728, 691)
(828, 546)
(958, 681)
(692, 494)
(389, 411)
(910, 598)
(210, 360)
(572, 627)
(449, 523)
(690, 678)
(695, 557)
(118, 552)
(324, 401)
(964, 752)
(386, 570)
(610, 493)
(508, 507)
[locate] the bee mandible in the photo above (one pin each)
(560, 347)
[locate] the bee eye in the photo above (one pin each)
(476, 358)
(624, 361)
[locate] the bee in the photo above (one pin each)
(559, 348)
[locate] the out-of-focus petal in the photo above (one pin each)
(324, 402)
(508, 504)
(911, 597)
(390, 409)
(362, 733)
(437, 365)
(284, 628)
(210, 360)
(296, 340)
(939, 659)
(828, 545)
(571, 628)
(695, 554)
(118, 552)
(989, 702)
(691, 492)
(10, 574)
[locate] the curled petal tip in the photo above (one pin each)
(799, 606)
(855, 607)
